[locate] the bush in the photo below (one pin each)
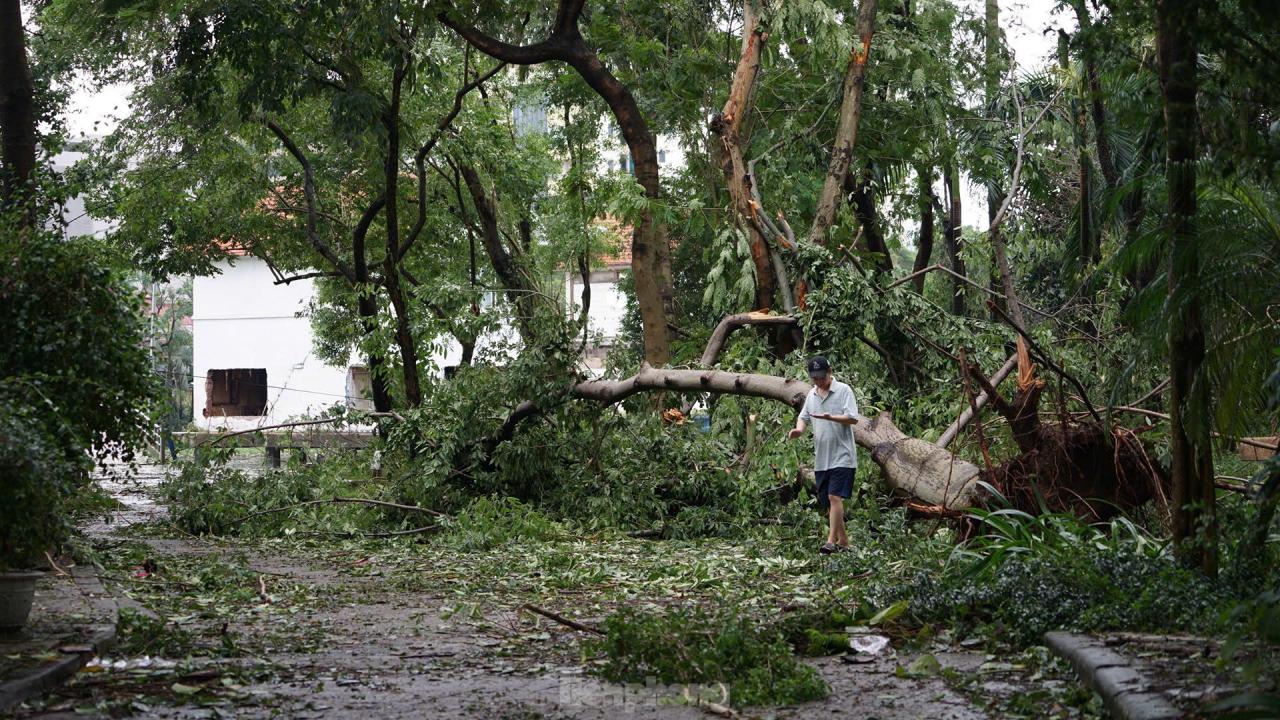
(38, 478)
(686, 646)
(75, 383)
(1031, 574)
(212, 497)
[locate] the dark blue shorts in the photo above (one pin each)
(836, 481)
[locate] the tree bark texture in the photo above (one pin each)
(1088, 247)
(730, 323)
(1190, 449)
(367, 304)
(862, 195)
(1089, 53)
(846, 125)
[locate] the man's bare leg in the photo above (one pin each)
(835, 522)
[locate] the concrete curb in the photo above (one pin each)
(1126, 692)
(74, 657)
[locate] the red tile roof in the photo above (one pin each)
(620, 240)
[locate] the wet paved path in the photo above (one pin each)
(322, 641)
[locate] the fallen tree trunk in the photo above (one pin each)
(911, 466)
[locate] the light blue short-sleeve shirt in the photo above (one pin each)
(832, 442)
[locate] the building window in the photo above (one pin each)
(239, 391)
(662, 157)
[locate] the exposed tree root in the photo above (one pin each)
(1086, 469)
(1091, 470)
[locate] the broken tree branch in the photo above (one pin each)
(337, 501)
(980, 402)
(910, 466)
(1165, 416)
(731, 323)
(846, 125)
(961, 278)
(303, 423)
(309, 192)
(285, 280)
(561, 619)
(1022, 333)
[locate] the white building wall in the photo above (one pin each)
(240, 319)
(608, 306)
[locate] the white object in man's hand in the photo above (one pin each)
(845, 419)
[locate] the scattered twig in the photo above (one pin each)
(714, 708)
(932, 511)
(224, 436)
(1154, 392)
(153, 581)
(1165, 416)
(561, 619)
(338, 500)
(985, 397)
(1220, 483)
(387, 534)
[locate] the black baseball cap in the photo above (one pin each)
(818, 366)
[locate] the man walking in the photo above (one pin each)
(832, 410)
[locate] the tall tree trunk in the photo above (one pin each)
(846, 125)
(1088, 51)
(1088, 248)
(863, 198)
(924, 244)
(999, 263)
(519, 288)
(391, 269)
(993, 68)
(954, 239)
(898, 350)
(1190, 450)
(731, 126)
(367, 305)
(650, 248)
(17, 112)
